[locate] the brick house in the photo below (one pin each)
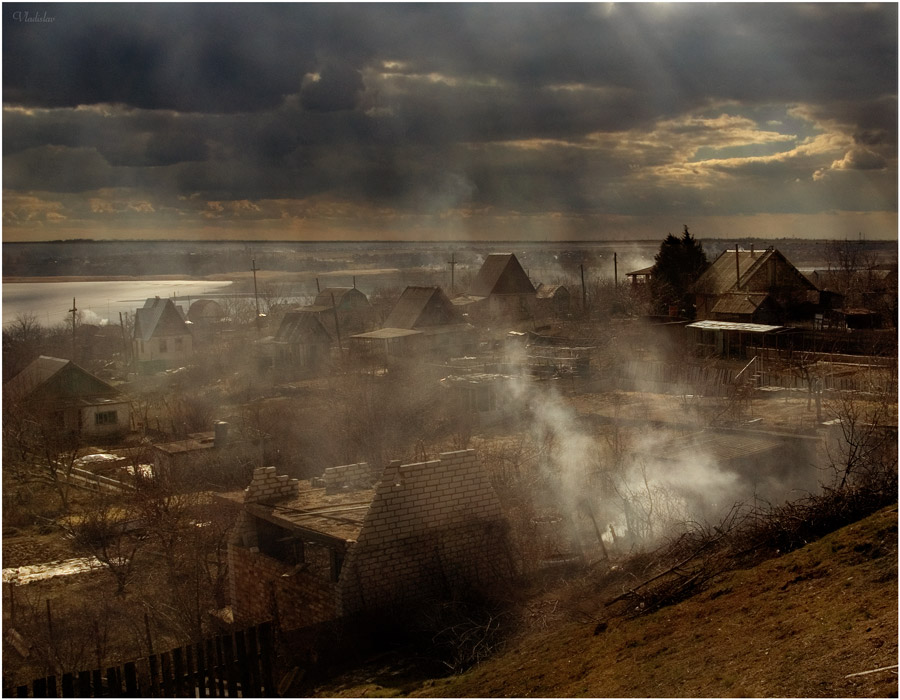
(69, 399)
(355, 540)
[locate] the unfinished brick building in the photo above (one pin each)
(357, 540)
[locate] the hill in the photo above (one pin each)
(809, 623)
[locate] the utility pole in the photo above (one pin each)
(255, 294)
(583, 292)
(73, 311)
(616, 270)
(452, 264)
(337, 328)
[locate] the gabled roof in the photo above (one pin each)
(739, 303)
(301, 327)
(421, 306)
(61, 377)
(548, 291)
(323, 298)
(501, 274)
(158, 317)
(721, 275)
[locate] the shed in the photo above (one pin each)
(552, 300)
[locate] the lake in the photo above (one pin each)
(100, 302)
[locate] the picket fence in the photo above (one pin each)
(228, 666)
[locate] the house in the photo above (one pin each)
(205, 312)
(500, 290)
(361, 539)
(642, 276)
(749, 286)
(423, 323)
(161, 337)
(69, 399)
(864, 297)
(301, 345)
(213, 458)
(552, 300)
(351, 307)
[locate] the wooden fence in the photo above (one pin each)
(228, 666)
(661, 376)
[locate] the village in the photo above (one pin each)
(356, 458)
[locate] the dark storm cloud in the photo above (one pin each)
(532, 107)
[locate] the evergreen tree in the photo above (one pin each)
(678, 264)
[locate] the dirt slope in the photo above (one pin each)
(793, 626)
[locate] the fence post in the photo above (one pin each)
(240, 643)
(154, 675)
(267, 651)
(131, 685)
(68, 685)
(178, 670)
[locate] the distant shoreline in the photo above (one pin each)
(112, 278)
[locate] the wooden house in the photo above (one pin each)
(423, 324)
(349, 306)
(501, 290)
(748, 286)
(300, 346)
(161, 337)
(66, 398)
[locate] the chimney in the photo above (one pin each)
(221, 434)
(737, 264)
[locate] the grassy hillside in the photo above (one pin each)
(798, 625)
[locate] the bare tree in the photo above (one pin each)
(107, 531)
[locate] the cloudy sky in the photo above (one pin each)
(449, 121)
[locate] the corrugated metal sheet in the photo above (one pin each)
(729, 326)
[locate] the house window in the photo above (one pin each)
(106, 418)
(163, 345)
(179, 343)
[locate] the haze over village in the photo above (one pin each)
(455, 350)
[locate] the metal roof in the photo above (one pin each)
(730, 326)
(387, 334)
(159, 317)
